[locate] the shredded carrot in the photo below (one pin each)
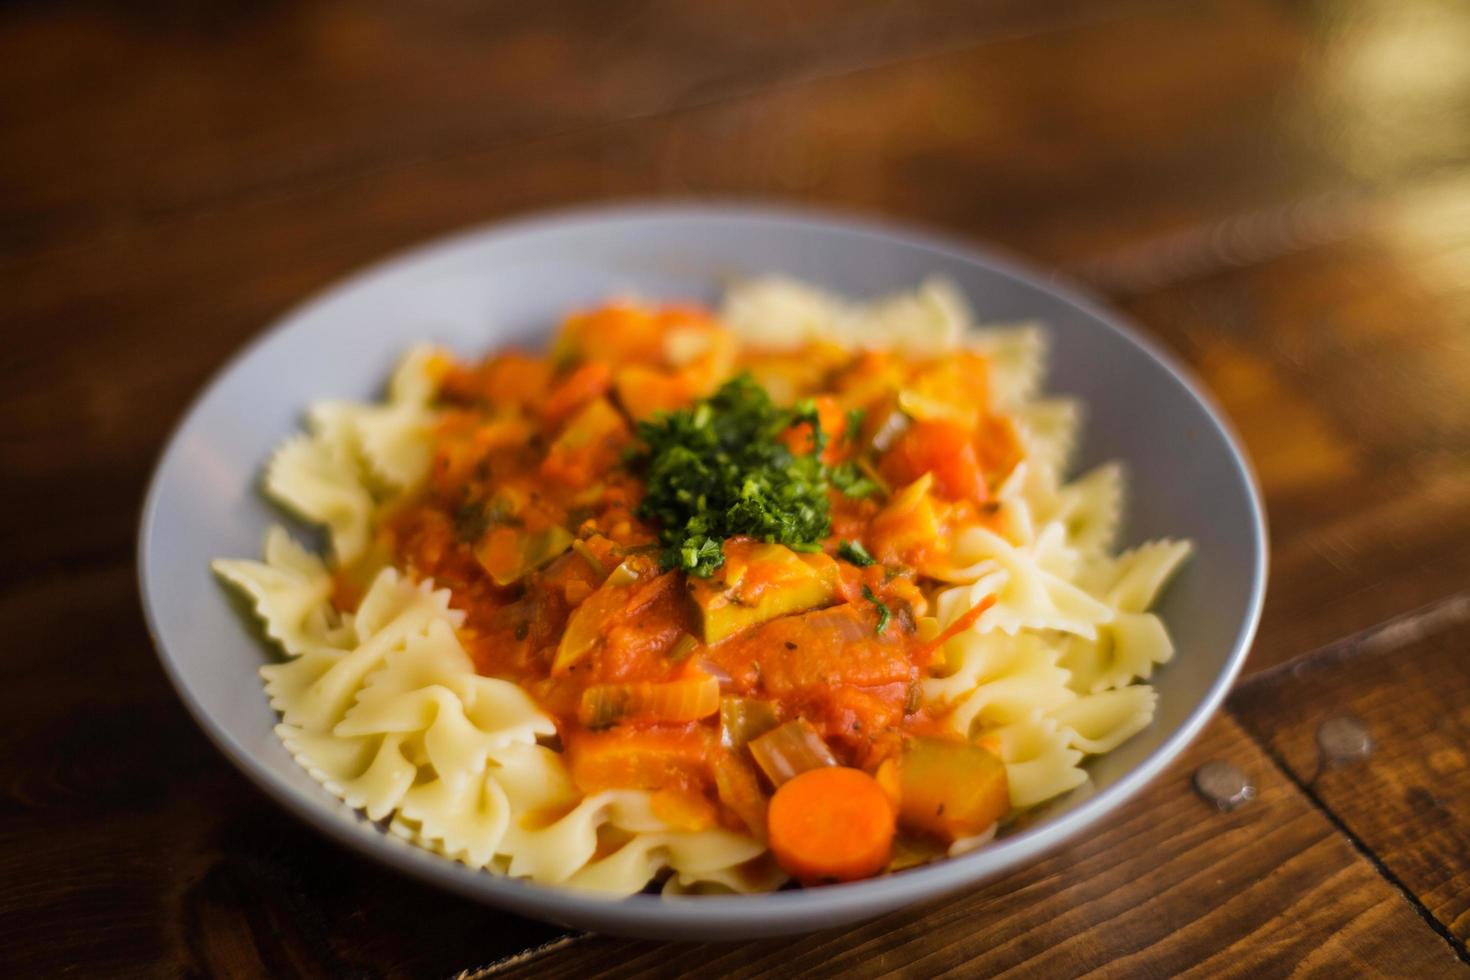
(955, 628)
(831, 824)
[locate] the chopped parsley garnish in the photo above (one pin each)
(852, 481)
(854, 552)
(721, 468)
(854, 431)
(883, 614)
(806, 412)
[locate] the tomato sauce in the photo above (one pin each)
(529, 516)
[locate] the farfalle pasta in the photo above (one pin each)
(798, 591)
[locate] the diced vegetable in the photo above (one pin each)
(717, 671)
(789, 750)
(588, 445)
(510, 553)
(922, 407)
(584, 627)
(831, 825)
(605, 705)
(740, 790)
(857, 712)
(788, 378)
(720, 616)
(682, 648)
(760, 583)
(744, 719)
(611, 334)
(887, 776)
(943, 447)
(597, 420)
(575, 590)
(698, 339)
(695, 356)
(625, 574)
(998, 446)
(884, 425)
(510, 379)
(950, 789)
(604, 607)
(649, 591)
(639, 758)
(906, 523)
(955, 386)
(802, 657)
(582, 548)
(644, 391)
(587, 382)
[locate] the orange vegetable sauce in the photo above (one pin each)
(529, 518)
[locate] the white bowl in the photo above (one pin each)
(511, 283)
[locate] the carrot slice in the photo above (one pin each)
(831, 824)
(955, 628)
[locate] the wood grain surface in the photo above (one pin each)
(1276, 190)
(1407, 684)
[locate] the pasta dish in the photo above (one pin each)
(795, 591)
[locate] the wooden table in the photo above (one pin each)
(1278, 191)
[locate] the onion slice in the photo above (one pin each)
(745, 719)
(605, 705)
(790, 750)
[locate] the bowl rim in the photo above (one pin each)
(835, 902)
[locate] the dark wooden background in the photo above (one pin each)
(1277, 190)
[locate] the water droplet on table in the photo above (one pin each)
(1223, 785)
(1344, 739)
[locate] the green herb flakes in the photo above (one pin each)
(853, 551)
(852, 481)
(883, 614)
(721, 469)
